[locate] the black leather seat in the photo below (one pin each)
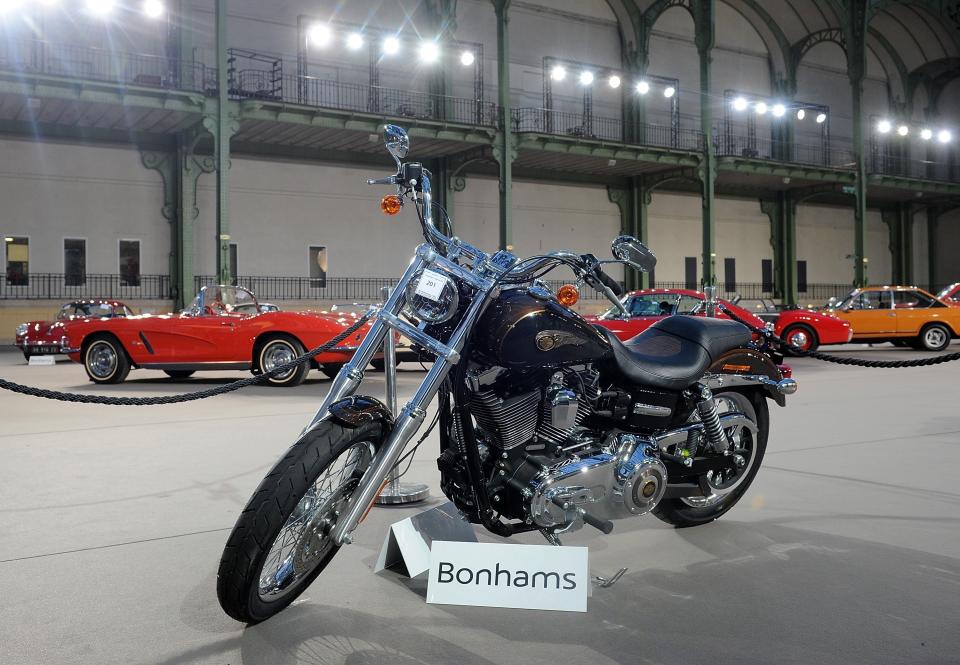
(676, 350)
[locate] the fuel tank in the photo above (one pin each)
(527, 327)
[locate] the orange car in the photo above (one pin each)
(904, 315)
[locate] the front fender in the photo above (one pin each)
(747, 363)
(359, 409)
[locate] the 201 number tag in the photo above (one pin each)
(431, 285)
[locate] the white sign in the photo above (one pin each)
(42, 360)
(407, 543)
(431, 285)
(534, 577)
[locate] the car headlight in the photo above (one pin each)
(432, 297)
(22, 329)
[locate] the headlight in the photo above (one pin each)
(432, 297)
(22, 329)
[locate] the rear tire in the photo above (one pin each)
(255, 579)
(105, 359)
(803, 336)
(679, 512)
(276, 351)
(934, 337)
(178, 373)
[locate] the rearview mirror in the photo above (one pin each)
(397, 142)
(634, 253)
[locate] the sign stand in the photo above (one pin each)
(408, 541)
(396, 492)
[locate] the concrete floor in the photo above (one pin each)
(845, 550)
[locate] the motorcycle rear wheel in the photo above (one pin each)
(281, 540)
(694, 511)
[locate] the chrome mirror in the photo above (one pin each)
(634, 253)
(397, 142)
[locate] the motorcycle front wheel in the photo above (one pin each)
(281, 541)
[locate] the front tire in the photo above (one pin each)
(694, 511)
(105, 360)
(280, 543)
(277, 351)
(934, 337)
(803, 336)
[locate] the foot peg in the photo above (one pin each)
(603, 525)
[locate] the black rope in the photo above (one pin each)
(841, 360)
(185, 397)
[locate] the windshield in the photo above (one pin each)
(649, 304)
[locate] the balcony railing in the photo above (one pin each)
(905, 167)
(58, 286)
(836, 153)
(83, 62)
(578, 125)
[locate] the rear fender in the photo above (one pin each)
(747, 363)
(359, 409)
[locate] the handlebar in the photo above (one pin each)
(609, 282)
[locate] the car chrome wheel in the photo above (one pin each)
(102, 359)
(935, 338)
(799, 338)
(274, 355)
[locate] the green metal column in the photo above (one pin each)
(771, 208)
(891, 217)
(906, 243)
(634, 105)
(442, 24)
(632, 201)
(504, 150)
(789, 216)
(222, 138)
(933, 219)
(855, 29)
(704, 13)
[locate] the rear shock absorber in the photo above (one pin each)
(707, 409)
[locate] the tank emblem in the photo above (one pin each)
(547, 340)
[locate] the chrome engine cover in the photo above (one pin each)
(624, 480)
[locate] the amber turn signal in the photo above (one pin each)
(390, 204)
(568, 295)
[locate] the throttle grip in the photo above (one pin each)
(609, 282)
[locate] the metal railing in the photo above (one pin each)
(882, 163)
(337, 289)
(84, 62)
(60, 286)
(578, 125)
(835, 153)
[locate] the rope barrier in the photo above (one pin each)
(185, 397)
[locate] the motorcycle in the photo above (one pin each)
(546, 422)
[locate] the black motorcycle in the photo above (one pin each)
(546, 422)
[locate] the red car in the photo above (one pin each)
(951, 294)
(805, 329)
(39, 338)
(225, 328)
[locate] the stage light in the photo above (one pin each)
(319, 35)
(903, 130)
(354, 41)
(100, 7)
(390, 46)
(467, 58)
(643, 87)
(669, 91)
(558, 73)
(883, 126)
(740, 104)
(801, 114)
(613, 81)
(760, 108)
(944, 136)
(153, 8)
(429, 51)
(586, 78)
(778, 110)
(821, 118)
(926, 134)
(7, 6)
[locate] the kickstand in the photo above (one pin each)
(604, 583)
(551, 537)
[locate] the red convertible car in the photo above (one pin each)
(225, 328)
(39, 338)
(951, 294)
(805, 329)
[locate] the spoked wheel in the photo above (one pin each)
(281, 541)
(722, 489)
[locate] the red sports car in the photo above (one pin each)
(951, 294)
(805, 329)
(39, 338)
(225, 328)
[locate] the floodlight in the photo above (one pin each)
(429, 51)
(801, 114)
(558, 73)
(778, 110)
(319, 35)
(669, 91)
(586, 78)
(740, 104)
(821, 118)
(100, 7)
(926, 134)
(944, 136)
(613, 81)
(7, 6)
(760, 108)
(884, 126)
(903, 130)
(643, 87)
(354, 41)
(153, 8)
(390, 46)
(467, 58)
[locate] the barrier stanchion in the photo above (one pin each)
(396, 492)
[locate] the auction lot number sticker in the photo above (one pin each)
(535, 577)
(431, 285)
